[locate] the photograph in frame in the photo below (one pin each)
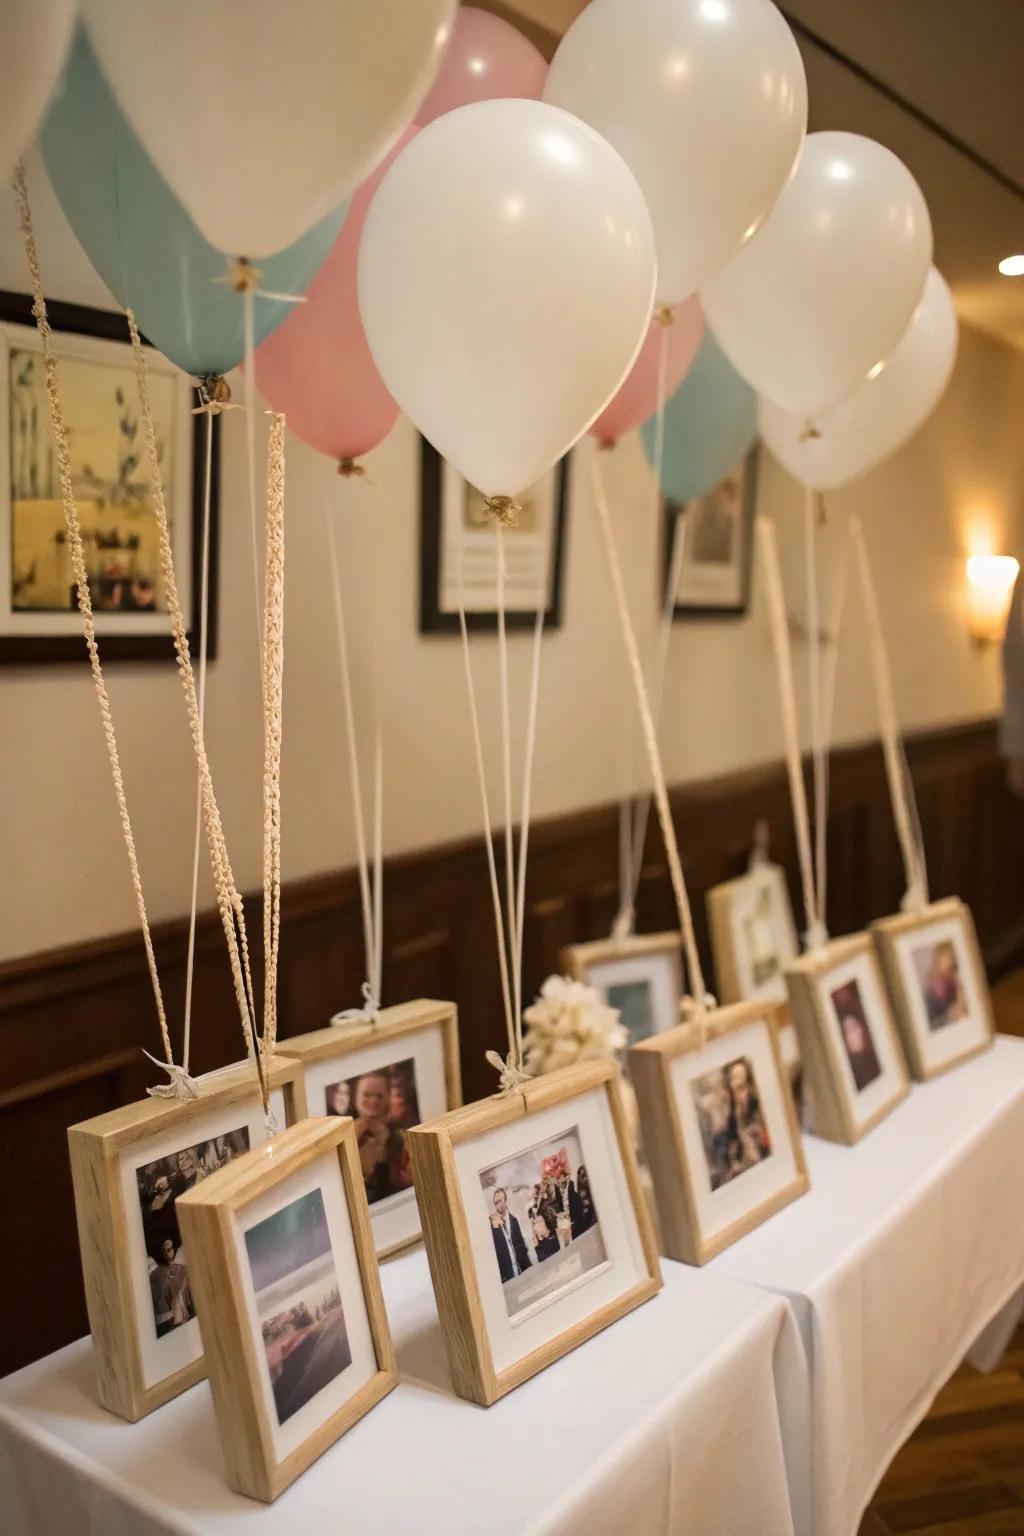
(641, 976)
(535, 1225)
(753, 934)
(39, 618)
(389, 1074)
(458, 550)
(720, 1129)
(853, 1062)
(933, 964)
(718, 541)
(287, 1284)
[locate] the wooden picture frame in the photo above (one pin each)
(713, 588)
(120, 549)
(712, 1188)
(853, 1066)
(443, 492)
(944, 1015)
(290, 1219)
(421, 1037)
(753, 937)
(498, 1332)
(641, 975)
(146, 1349)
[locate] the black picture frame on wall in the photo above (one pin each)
(714, 588)
(438, 614)
(87, 336)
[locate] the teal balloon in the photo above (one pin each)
(140, 239)
(710, 424)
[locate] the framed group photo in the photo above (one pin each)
(389, 1074)
(535, 1226)
(129, 1169)
(641, 976)
(719, 1128)
(936, 976)
(289, 1300)
(852, 1060)
(459, 551)
(718, 545)
(39, 618)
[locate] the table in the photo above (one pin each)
(674, 1419)
(906, 1247)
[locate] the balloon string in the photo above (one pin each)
(273, 689)
(506, 765)
(814, 683)
(701, 1001)
(524, 819)
(249, 374)
(901, 786)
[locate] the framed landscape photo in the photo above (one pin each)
(459, 551)
(720, 1129)
(289, 1300)
(129, 1169)
(641, 976)
(389, 1074)
(535, 1225)
(852, 1061)
(718, 545)
(932, 962)
(39, 618)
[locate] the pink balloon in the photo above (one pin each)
(637, 397)
(485, 58)
(316, 367)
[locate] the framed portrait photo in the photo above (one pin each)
(289, 1300)
(39, 618)
(932, 962)
(389, 1075)
(459, 551)
(129, 1168)
(641, 976)
(718, 545)
(719, 1128)
(853, 1064)
(535, 1226)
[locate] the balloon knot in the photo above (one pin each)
(504, 510)
(810, 433)
(348, 467)
(214, 395)
(663, 314)
(243, 276)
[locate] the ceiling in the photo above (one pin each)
(939, 82)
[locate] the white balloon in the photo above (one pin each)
(827, 286)
(871, 424)
(506, 278)
(706, 102)
(262, 115)
(35, 40)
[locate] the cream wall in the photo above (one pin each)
(64, 869)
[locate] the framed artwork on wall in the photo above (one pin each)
(718, 545)
(457, 544)
(719, 1129)
(389, 1074)
(289, 1301)
(852, 1061)
(535, 1225)
(129, 1169)
(39, 618)
(932, 962)
(641, 976)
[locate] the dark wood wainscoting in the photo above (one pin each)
(71, 1020)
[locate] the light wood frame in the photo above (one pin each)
(208, 1215)
(95, 1148)
(577, 960)
(719, 901)
(650, 1066)
(446, 1230)
(339, 1040)
(820, 1049)
(887, 932)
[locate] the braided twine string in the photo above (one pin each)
(273, 679)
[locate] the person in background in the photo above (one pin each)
(1011, 726)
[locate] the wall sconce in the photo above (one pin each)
(990, 580)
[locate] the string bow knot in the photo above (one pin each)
(512, 1076)
(179, 1084)
(368, 1012)
(693, 1012)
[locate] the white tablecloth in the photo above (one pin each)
(673, 1420)
(906, 1247)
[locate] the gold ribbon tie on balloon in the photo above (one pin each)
(504, 510)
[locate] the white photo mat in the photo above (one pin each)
(663, 975)
(950, 1041)
(760, 901)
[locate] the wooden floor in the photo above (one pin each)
(962, 1473)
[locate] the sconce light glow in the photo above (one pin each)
(1012, 266)
(990, 580)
